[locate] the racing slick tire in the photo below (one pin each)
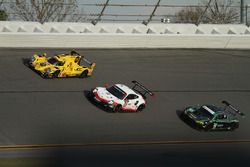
(117, 108)
(56, 74)
(84, 74)
(209, 127)
(46, 76)
(140, 108)
(233, 126)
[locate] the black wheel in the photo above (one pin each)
(117, 108)
(46, 76)
(140, 108)
(233, 126)
(56, 74)
(84, 74)
(209, 127)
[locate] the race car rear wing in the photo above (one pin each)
(144, 91)
(73, 52)
(92, 65)
(233, 108)
(87, 61)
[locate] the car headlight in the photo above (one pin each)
(200, 122)
(95, 90)
(185, 111)
(206, 122)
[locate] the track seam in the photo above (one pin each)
(46, 146)
(157, 91)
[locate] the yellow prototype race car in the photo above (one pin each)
(61, 65)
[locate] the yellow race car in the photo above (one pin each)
(61, 65)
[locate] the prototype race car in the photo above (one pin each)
(61, 65)
(210, 117)
(120, 97)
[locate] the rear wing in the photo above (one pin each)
(233, 108)
(144, 91)
(87, 61)
(73, 52)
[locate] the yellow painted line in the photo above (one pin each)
(46, 146)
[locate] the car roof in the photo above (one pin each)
(213, 109)
(126, 89)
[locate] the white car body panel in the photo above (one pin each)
(103, 95)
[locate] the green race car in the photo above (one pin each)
(210, 117)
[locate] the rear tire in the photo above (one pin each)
(234, 126)
(84, 74)
(140, 108)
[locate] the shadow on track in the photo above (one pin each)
(25, 62)
(179, 113)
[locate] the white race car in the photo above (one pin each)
(120, 97)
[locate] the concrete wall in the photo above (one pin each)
(121, 35)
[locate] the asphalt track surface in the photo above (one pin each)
(36, 111)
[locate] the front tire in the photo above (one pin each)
(117, 108)
(234, 126)
(56, 74)
(84, 74)
(209, 127)
(140, 108)
(47, 76)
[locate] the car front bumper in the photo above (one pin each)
(95, 98)
(191, 121)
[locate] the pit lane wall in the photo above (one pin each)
(123, 35)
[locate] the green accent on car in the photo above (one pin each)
(211, 117)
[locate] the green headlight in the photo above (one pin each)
(200, 122)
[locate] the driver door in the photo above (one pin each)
(221, 121)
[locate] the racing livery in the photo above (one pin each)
(119, 97)
(61, 65)
(210, 117)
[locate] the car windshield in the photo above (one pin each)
(55, 62)
(117, 92)
(203, 113)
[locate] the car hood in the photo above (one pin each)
(104, 94)
(41, 66)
